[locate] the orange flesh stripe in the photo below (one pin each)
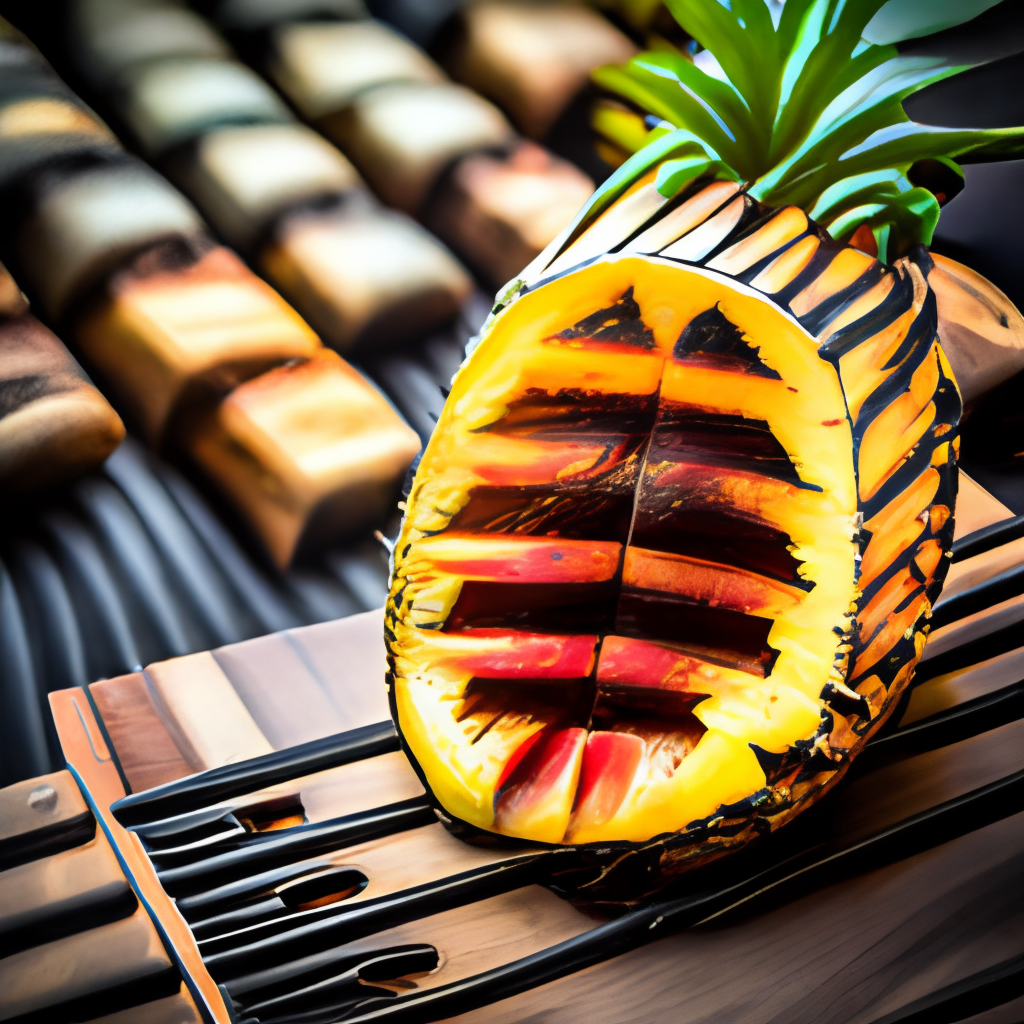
(739, 490)
(684, 218)
(520, 462)
(861, 368)
(510, 654)
(896, 590)
(628, 662)
(891, 432)
(701, 240)
(782, 228)
(785, 269)
(894, 627)
(533, 560)
(860, 307)
(847, 266)
(897, 526)
(719, 586)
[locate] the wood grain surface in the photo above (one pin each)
(868, 943)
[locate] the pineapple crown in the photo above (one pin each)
(802, 107)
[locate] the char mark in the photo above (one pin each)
(620, 324)
(711, 340)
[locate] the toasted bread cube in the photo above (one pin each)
(322, 66)
(365, 274)
(113, 36)
(54, 425)
(499, 212)
(172, 101)
(533, 59)
(307, 453)
(243, 177)
(166, 338)
(86, 225)
(402, 136)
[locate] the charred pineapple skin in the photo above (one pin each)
(669, 558)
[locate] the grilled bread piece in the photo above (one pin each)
(54, 425)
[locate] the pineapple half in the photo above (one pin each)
(670, 555)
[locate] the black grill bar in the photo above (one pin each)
(947, 821)
(988, 537)
(269, 954)
(277, 849)
(216, 784)
(966, 998)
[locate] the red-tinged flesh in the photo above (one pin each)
(707, 583)
(513, 654)
(535, 798)
(526, 559)
(523, 463)
(610, 763)
(630, 663)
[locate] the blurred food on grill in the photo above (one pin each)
(54, 425)
(231, 144)
(415, 136)
(173, 322)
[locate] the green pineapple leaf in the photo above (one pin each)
(808, 110)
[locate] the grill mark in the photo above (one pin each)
(925, 325)
(535, 607)
(725, 637)
(726, 537)
(828, 250)
(897, 382)
(755, 216)
(691, 434)
(711, 339)
(947, 405)
(575, 412)
(669, 208)
(620, 324)
(885, 314)
(747, 275)
(597, 510)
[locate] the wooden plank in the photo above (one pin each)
(971, 627)
(358, 787)
(946, 691)
(145, 748)
(77, 881)
(348, 658)
(213, 726)
(177, 1009)
(47, 802)
(86, 750)
(1008, 1013)
(81, 965)
(847, 954)
(280, 691)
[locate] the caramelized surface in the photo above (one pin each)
(628, 557)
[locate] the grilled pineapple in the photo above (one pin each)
(669, 557)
